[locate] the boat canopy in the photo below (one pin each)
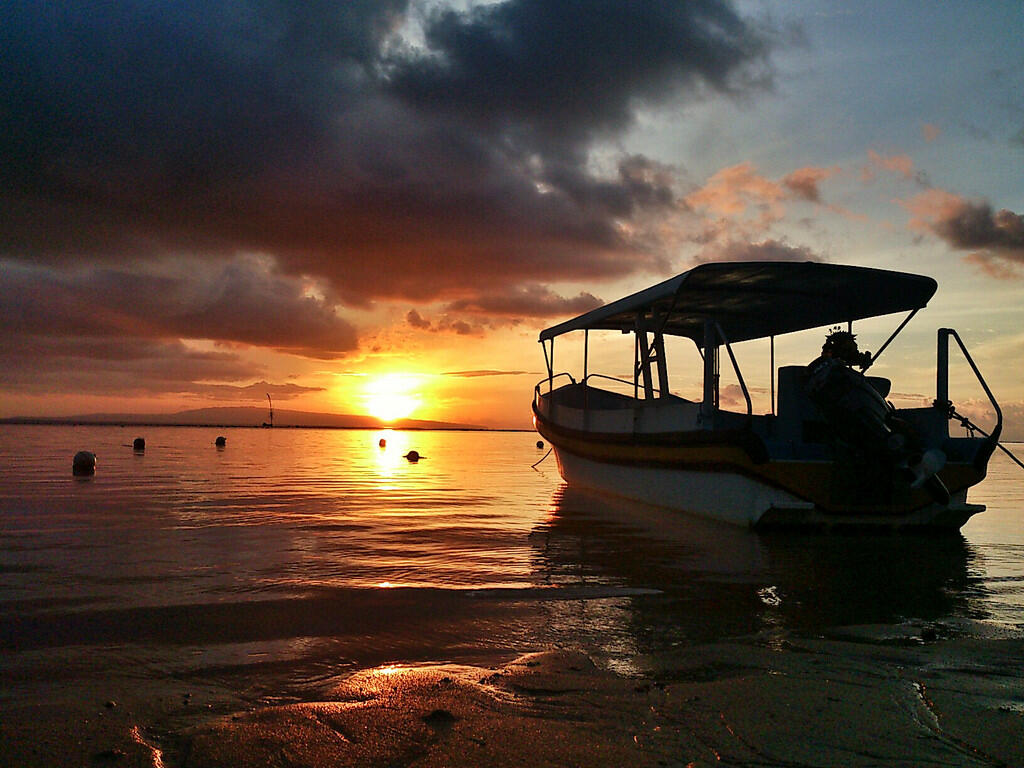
(754, 300)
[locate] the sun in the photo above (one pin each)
(391, 396)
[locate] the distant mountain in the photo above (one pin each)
(242, 417)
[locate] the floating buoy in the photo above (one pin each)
(84, 463)
(382, 442)
(221, 441)
(540, 443)
(413, 456)
(139, 444)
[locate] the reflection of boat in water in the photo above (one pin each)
(715, 580)
(835, 454)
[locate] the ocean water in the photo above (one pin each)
(263, 571)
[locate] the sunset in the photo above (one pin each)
(391, 396)
(423, 187)
(369, 366)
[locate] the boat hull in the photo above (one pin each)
(722, 495)
(735, 498)
(731, 478)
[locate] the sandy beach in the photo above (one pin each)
(870, 696)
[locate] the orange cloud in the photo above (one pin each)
(992, 266)
(899, 164)
(931, 132)
(804, 182)
(931, 206)
(734, 190)
(731, 191)
(748, 205)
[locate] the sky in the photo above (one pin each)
(374, 206)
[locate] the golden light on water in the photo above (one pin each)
(391, 396)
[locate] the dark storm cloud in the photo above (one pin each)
(976, 225)
(309, 132)
(565, 72)
(416, 320)
(41, 364)
(133, 100)
(529, 301)
(240, 301)
(994, 238)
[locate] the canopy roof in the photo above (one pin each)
(753, 300)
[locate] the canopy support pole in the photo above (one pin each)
(710, 403)
(549, 361)
(736, 368)
(659, 352)
(586, 398)
(645, 364)
(636, 365)
(586, 346)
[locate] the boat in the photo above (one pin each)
(832, 452)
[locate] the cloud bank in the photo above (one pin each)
(318, 134)
(367, 150)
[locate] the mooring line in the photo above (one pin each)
(534, 465)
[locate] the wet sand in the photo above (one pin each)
(870, 696)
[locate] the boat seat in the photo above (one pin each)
(580, 395)
(798, 418)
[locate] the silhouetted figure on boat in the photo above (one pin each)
(840, 348)
(854, 407)
(849, 403)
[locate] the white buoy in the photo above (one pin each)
(84, 463)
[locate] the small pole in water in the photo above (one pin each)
(271, 422)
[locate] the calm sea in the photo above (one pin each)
(261, 571)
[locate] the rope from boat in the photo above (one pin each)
(971, 428)
(534, 465)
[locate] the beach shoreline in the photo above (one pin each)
(872, 695)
